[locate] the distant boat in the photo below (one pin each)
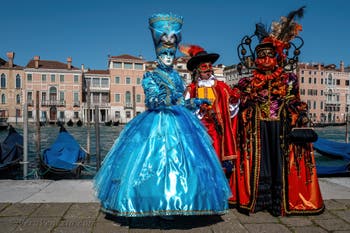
(333, 159)
(64, 158)
(108, 123)
(3, 123)
(11, 153)
(70, 122)
(116, 123)
(79, 123)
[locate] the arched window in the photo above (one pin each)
(3, 99)
(18, 81)
(18, 99)
(3, 81)
(53, 94)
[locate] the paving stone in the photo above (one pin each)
(295, 221)
(41, 222)
(334, 205)
(232, 214)
(344, 214)
(109, 227)
(230, 226)
(8, 226)
(71, 230)
(309, 229)
(333, 224)
(51, 209)
(325, 215)
(138, 230)
(76, 223)
(32, 229)
(83, 210)
(14, 220)
(259, 217)
(344, 201)
(268, 228)
(4, 205)
(18, 209)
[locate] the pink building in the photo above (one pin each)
(127, 96)
(326, 90)
(11, 87)
(59, 86)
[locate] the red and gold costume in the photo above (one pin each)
(220, 96)
(219, 117)
(272, 173)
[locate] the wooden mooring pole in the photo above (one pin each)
(97, 133)
(38, 136)
(25, 141)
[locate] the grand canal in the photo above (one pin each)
(108, 135)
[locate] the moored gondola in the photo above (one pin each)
(63, 159)
(11, 154)
(70, 122)
(332, 158)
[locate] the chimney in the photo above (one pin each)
(36, 62)
(69, 63)
(82, 68)
(341, 66)
(10, 56)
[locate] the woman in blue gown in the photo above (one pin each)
(163, 162)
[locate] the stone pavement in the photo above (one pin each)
(69, 206)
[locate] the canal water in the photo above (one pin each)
(108, 135)
(48, 134)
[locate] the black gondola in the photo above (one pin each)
(70, 122)
(116, 123)
(79, 123)
(11, 154)
(3, 123)
(108, 123)
(63, 159)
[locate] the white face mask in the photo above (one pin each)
(167, 58)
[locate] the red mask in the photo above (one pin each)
(266, 63)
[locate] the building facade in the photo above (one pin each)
(11, 89)
(326, 90)
(53, 87)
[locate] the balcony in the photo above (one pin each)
(99, 104)
(50, 103)
(128, 106)
(76, 104)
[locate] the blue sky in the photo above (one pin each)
(89, 31)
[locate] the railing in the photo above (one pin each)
(76, 104)
(102, 104)
(128, 106)
(61, 103)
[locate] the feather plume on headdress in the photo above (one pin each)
(287, 28)
(190, 50)
(261, 31)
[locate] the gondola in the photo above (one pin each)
(79, 123)
(116, 123)
(3, 123)
(70, 122)
(63, 159)
(108, 123)
(332, 158)
(11, 154)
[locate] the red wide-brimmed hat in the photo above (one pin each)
(198, 55)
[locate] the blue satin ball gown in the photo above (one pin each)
(163, 162)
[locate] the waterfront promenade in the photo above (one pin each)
(69, 206)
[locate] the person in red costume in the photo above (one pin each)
(220, 116)
(274, 172)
